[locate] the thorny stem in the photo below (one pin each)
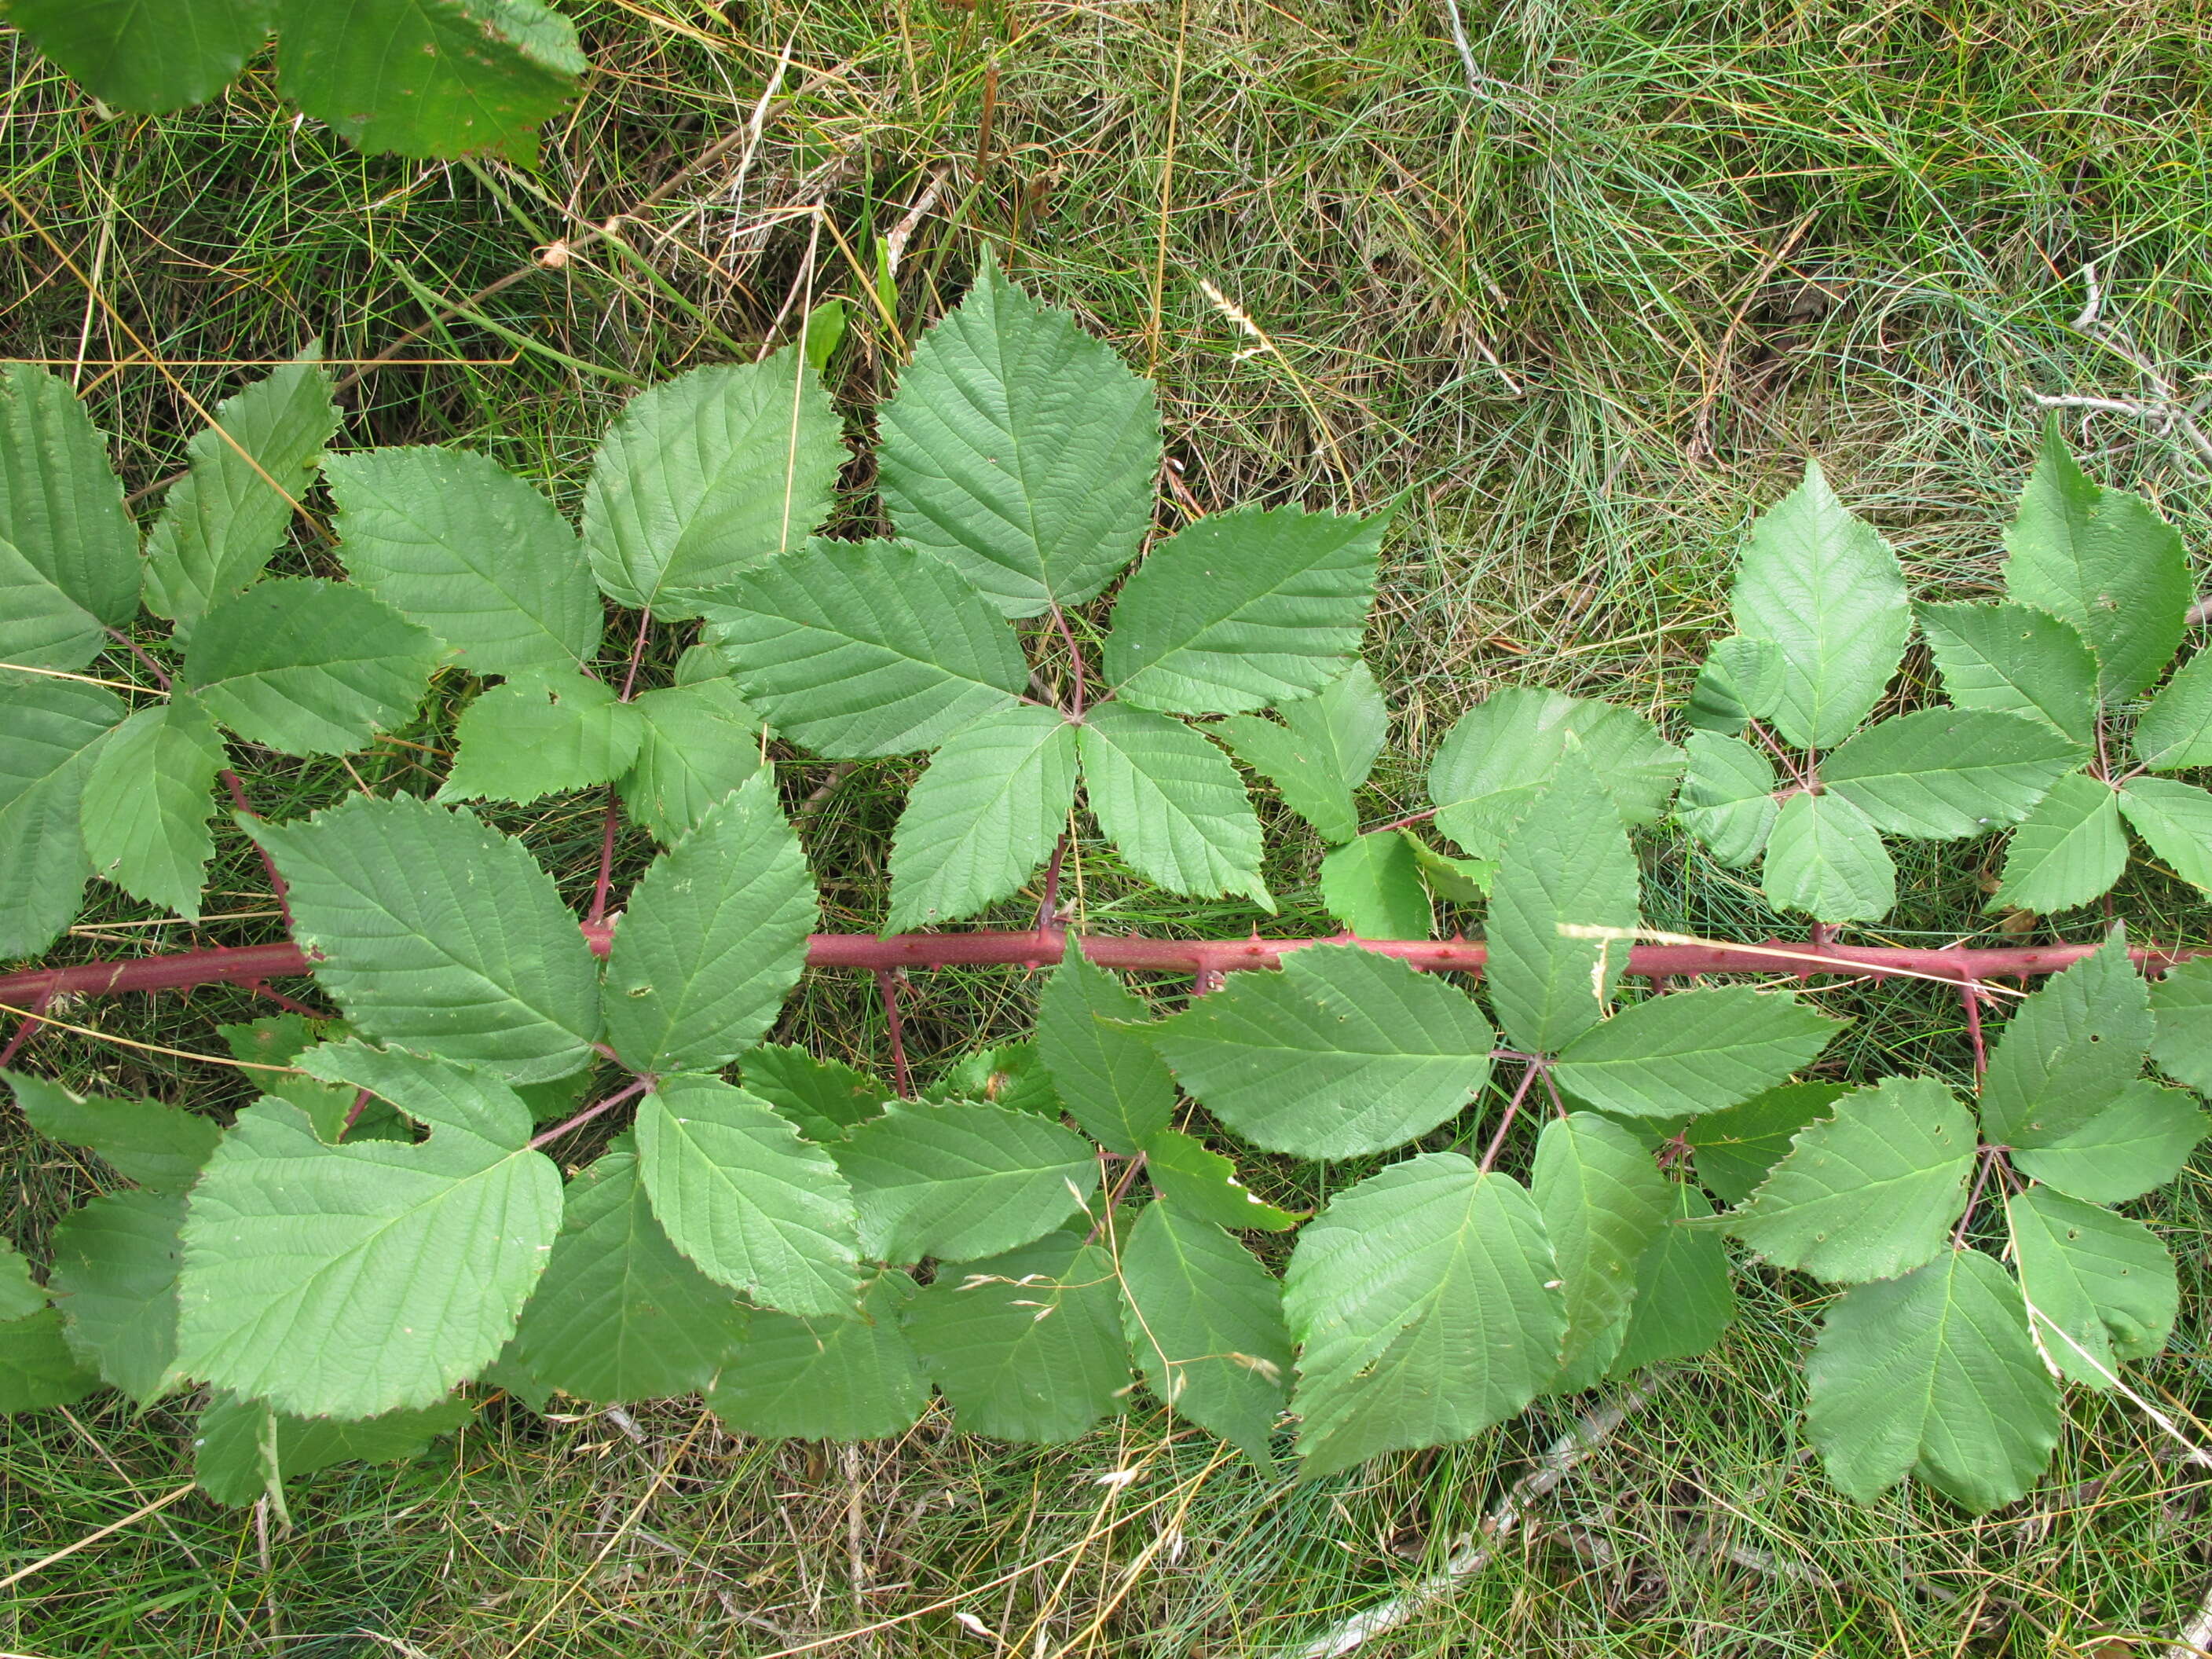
(635, 1087)
(1991, 1158)
(887, 980)
(31, 1023)
(230, 781)
(1971, 994)
(1411, 818)
(1801, 771)
(1048, 903)
(289, 1005)
(1078, 684)
(1512, 1111)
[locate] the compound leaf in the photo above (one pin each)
(959, 1179)
(146, 804)
(1172, 802)
(982, 817)
(1685, 1291)
(2067, 851)
(1824, 857)
(2176, 819)
(1728, 797)
(1109, 1076)
(2101, 1290)
(2069, 1047)
(115, 1278)
(142, 1140)
(1202, 1184)
(695, 743)
(2016, 660)
(1692, 1052)
(1945, 772)
(2176, 731)
(1502, 753)
(1374, 886)
(1322, 751)
(242, 1451)
(825, 1098)
(826, 1379)
(51, 730)
(2138, 1142)
(1737, 1147)
(1603, 1203)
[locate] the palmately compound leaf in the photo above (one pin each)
(1735, 1148)
(1933, 1375)
(756, 1207)
(713, 940)
(1204, 1321)
(1202, 1184)
(2069, 1050)
(1824, 588)
(155, 1146)
(115, 1278)
(1685, 1298)
(344, 1281)
(150, 55)
(1824, 857)
(531, 737)
(458, 544)
(1026, 1346)
(706, 476)
(1340, 1053)
(73, 555)
(1728, 797)
(2176, 819)
(1243, 609)
(868, 648)
(1020, 450)
(2175, 732)
(2067, 851)
(960, 1180)
(250, 471)
(432, 931)
(620, 1314)
(826, 1098)
(2138, 1142)
(2103, 560)
(1868, 1193)
(1374, 886)
(1426, 1304)
(2101, 1290)
(1603, 1203)
(1172, 802)
(37, 1369)
(826, 1379)
(146, 804)
(51, 732)
(1692, 1052)
(2181, 1011)
(2016, 660)
(307, 667)
(1322, 751)
(986, 813)
(1502, 753)
(242, 1451)
(695, 743)
(1110, 1078)
(1740, 681)
(1942, 774)
(1569, 865)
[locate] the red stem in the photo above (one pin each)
(30, 1023)
(230, 781)
(600, 887)
(1512, 1111)
(1971, 994)
(1079, 685)
(636, 1086)
(887, 987)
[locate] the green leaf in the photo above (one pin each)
(1945, 772)
(2176, 819)
(1692, 1052)
(1206, 1323)
(2067, 851)
(148, 55)
(1603, 1203)
(2181, 1009)
(37, 1369)
(1322, 751)
(713, 940)
(1502, 754)
(1740, 681)
(2016, 660)
(430, 78)
(1202, 1184)
(1020, 450)
(460, 546)
(153, 1145)
(533, 737)
(1869, 1193)
(695, 743)
(1172, 803)
(279, 1041)
(2068, 1050)
(1243, 609)
(756, 1207)
(242, 1451)
(2140, 1141)
(824, 331)
(1728, 797)
(2101, 1290)
(50, 734)
(307, 667)
(982, 817)
(429, 929)
(1568, 865)
(1933, 1375)
(1109, 1076)
(1339, 1054)
(861, 649)
(249, 473)
(827, 1379)
(115, 1278)
(68, 553)
(1374, 886)
(1825, 589)
(1825, 857)
(1026, 1346)
(41, 626)
(2104, 562)
(19, 1297)
(1736, 1149)
(620, 1314)
(2175, 732)
(959, 1179)
(1427, 1306)
(707, 475)
(824, 1097)
(1685, 1294)
(1457, 881)
(146, 804)
(1008, 1074)
(343, 1281)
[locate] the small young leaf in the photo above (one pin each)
(2067, 851)
(1340, 1053)
(1685, 1298)
(2016, 660)
(51, 732)
(1737, 1148)
(826, 1379)
(2138, 1142)
(984, 815)
(155, 1146)
(1692, 1052)
(1202, 1184)
(958, 1180)
(1172, 802)
(1727, 798)
(242, 1451)
(2067, 1050)
(1110, 1077)
(2101, 1290)
(1502, 753)
(2181, 1010)
(1825, 857)
(1932, 1374)
(2176, 819)
(146, 804)
(115, 1279)
(695, 743)
(1740, 681)
(37, 1369)
(533, 737)
(1373, 885)
(1945, 772)
(1603, 1203)
(825, 1098)
(2175, 732)
(1456, 881)
(1322, 751)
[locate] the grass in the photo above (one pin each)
(1578, 303)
